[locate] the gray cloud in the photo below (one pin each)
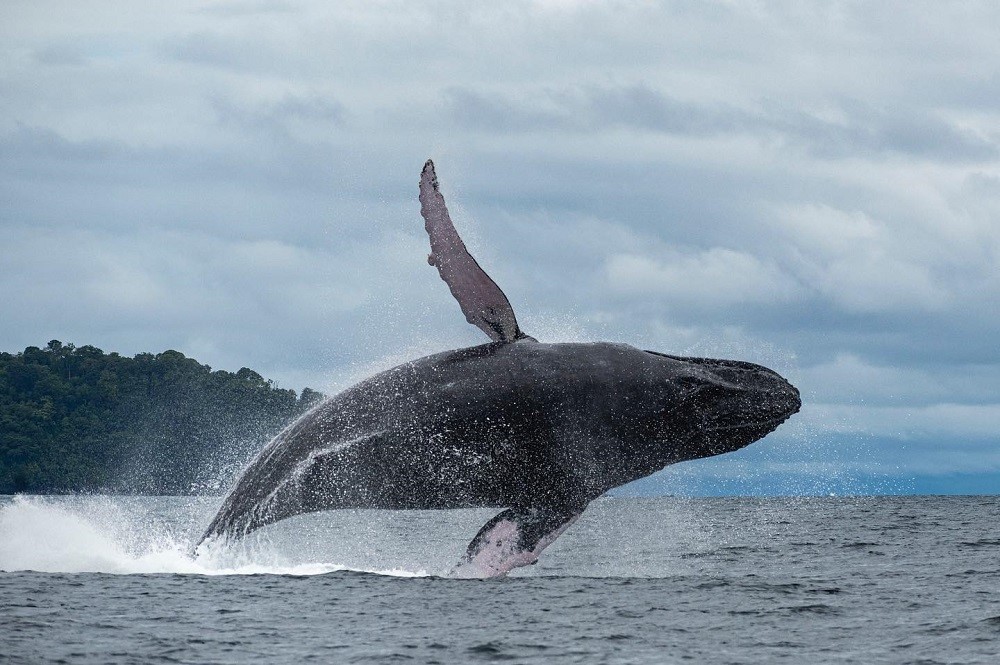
(208, 48)
(860, 128)
(61, 54)
(249, 8)
(857, 128)
(290, 118)
(713, 278)
(591, 108)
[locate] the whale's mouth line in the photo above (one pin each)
(771, 423)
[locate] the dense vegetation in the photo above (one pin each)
(75, 419)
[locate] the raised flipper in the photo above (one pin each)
(514, 538)
(483, 303)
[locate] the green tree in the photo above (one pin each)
(77, 419)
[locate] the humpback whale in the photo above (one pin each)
(536, 430)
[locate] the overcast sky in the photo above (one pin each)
(811, 186)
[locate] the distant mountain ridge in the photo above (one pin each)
(77, 419)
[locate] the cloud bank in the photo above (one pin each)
(816, 187)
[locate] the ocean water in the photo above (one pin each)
(671, 580)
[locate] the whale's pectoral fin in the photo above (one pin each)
(483, 303)
(514, 538)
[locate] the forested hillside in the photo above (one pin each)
(75, 419)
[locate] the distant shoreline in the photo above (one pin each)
(77, 419)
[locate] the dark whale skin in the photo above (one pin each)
(519, 424)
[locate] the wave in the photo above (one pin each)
(99, 536)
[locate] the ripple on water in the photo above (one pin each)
(993, 621)
(490, 651)
(817, 608)
(984, 542)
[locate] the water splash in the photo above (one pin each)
(98, 535)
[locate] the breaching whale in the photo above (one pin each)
(535, 429)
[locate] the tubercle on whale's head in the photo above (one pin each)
(723, 405)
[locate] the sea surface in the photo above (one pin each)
(670, 580)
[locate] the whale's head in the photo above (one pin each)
(717, 406)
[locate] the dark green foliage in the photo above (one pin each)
(76, 419)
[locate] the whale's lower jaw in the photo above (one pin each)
(728, 438)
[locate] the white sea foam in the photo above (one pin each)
(100, 536)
